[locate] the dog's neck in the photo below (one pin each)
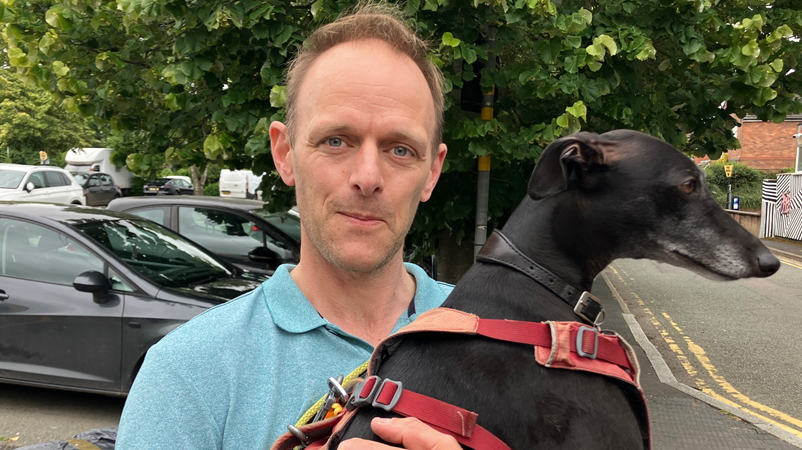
(553, 234)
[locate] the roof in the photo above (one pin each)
(788, 118)
(196, 200)
(61, 213)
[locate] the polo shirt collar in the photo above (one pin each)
(292, 312)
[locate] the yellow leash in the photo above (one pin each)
(310, 413)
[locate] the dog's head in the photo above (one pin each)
(646, 199)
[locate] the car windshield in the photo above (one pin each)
(157, 253)
(289, 225)
(80, 178)
(10, 179)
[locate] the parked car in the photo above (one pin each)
(85, 292)
(39, 184)
(238, 230)
(99, 188)
(168, 186)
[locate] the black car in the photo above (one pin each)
(238, 230)
(99, 188)
(84, 293)
(168, 186)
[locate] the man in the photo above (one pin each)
(362, 146)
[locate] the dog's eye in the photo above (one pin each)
(688, 187)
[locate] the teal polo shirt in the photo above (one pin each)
(236, 375)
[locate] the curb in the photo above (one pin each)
(665, 376)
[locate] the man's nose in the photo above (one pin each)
(366, 173)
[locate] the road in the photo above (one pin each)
(32, 415)
(737, 341)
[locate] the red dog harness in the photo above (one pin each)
(559, 345)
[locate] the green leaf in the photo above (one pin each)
(257, 145)
(573, 41)
(60, 69)
(562, 121)
(608, 42)
(777, 65)
(315, 8)
(171, 101)
(449, 40)
(586, 15)
(665, 64)
(595, 66)
(53, 16)
(595, 50)
(203, 63)
(468, 54)
(647, 51)
(571, 64)
(212, 147)
(278, 96)
(284, 36)
(578, 109)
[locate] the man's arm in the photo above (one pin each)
(164, 410)
(411, 433)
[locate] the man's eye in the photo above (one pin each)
(401, 151)
(334, 142)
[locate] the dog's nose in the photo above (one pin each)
(768, 263)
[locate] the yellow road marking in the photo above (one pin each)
(700, 355)
(790, 262)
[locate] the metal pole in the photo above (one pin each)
(483, 182)
(729, 193)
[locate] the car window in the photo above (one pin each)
(154, 214)
(105, 180)
(288, 224)
(155, 252)
(118, 283)
(10, 179)
(54, 179)
(38, 253)
(65, 179)
(38, 180)
(223, 232)
(80, 178)
(94, 181)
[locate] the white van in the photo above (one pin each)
(91, 160)
(239, 184)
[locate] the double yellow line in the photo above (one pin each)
(695, 361)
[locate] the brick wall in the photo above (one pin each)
(766, 145)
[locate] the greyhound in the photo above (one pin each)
(591, 199)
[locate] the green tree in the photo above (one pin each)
(201, 80)
(31, 121)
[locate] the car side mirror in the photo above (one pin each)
(264, 255)
(29, 187)
(94, 282)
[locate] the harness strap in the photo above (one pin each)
(539, 334)
(444, 417)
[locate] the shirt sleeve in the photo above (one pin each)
(164, 410)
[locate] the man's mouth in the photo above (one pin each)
(362, 217)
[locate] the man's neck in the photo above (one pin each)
(366, 305)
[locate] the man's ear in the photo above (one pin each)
(281, 147)
(562, 159)
(434, 172)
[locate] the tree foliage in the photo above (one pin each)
(202, 79)
(32, 121)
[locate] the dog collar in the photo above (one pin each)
(499, 250)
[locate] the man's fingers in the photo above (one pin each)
(413, 434)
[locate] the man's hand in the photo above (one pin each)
(411, 433)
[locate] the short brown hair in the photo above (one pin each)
(367, 21)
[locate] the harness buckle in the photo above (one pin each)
(589, 308)
(399, 387)
(580, 334)
(358, 400)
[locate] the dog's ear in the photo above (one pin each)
(561, 158)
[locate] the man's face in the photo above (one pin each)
(361, 158)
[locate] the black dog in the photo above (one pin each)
(592, 199)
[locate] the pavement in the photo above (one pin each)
(683, 417)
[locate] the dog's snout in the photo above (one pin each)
(768, 263)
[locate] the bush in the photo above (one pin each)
(212, 189)
(747, 184)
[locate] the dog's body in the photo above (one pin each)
(591, 199)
